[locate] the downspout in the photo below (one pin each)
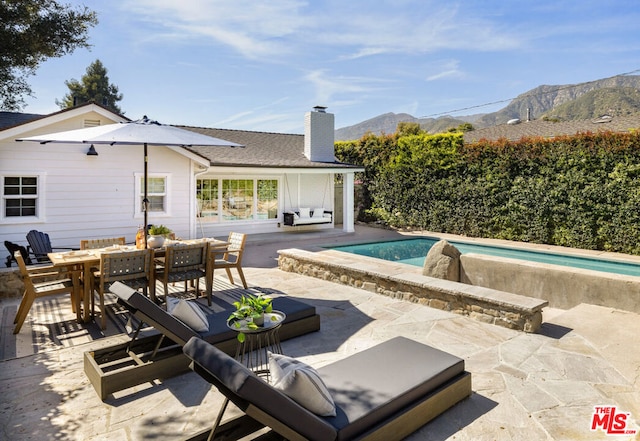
(194, 227)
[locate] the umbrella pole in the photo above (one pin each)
(145, 201)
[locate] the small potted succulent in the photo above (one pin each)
(157, 236)
(249, 313)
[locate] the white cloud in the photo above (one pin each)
(327, 86)
(347, 29)
(268, 117)
(445, 70)
(253, 29)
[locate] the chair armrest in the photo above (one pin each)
(218, 251)
(42, 268)
(48, 271)
(46, 275)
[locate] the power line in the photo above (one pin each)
(526, 95)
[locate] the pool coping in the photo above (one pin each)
(404, 281)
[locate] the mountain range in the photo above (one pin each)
(615, 96)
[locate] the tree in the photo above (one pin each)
(462, 128)
(93, 87)
(31, 31)
(406, 128)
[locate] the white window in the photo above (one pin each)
(232, 200)
(157, 193)
(21, 197)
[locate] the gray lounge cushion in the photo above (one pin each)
(180, 333)
(374, 384)
(368, 387)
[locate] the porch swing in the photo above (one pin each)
(308, 215)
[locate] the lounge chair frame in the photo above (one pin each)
(146, 358)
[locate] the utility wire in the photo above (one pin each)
(528, 94)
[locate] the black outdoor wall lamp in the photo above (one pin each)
(92, 151)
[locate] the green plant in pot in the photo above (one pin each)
(157, 236)
(250, 312)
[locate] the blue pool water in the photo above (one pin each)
(413, 252)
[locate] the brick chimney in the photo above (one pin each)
(319, 135)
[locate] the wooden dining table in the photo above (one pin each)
(85, 261)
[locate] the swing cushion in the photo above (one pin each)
(320, 216)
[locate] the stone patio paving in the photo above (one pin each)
(526, 386)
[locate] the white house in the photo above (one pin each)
(197, 191)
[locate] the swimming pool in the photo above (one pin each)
(413, 252)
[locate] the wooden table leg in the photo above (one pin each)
(87, 292)
(77, 294)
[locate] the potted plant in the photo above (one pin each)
(157, 236)
(249, 313)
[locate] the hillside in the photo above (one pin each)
(616, 96)
(610, 101)
(388, 122)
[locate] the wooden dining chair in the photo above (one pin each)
(227, 258)
(133, 268)
(91, 244)
(183, 263)
(40, 281)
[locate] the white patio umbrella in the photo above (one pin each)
(141, 132)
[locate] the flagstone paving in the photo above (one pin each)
(525, 386)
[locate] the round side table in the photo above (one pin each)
(253, 351)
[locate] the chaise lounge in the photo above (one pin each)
(384, 393)
(160, 355)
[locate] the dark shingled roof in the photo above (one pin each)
(261, 149)
(12, 119)
(549, 129)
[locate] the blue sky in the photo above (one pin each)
(260, 65)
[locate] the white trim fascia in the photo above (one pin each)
(15, 132)
(280, 170)
(186, 153)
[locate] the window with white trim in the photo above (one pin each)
(157, 193)
(231, 200)
(267, 199)
(237, 199)
(207, 196)
(20, 196)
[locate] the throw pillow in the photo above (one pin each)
(301, 383)
(304, 212)
(189, 313)
(318, 212)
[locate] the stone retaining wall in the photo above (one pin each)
(10, 283)
(487, 305)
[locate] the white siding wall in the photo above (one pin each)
(93, 196)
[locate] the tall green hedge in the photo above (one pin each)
(580, 191)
